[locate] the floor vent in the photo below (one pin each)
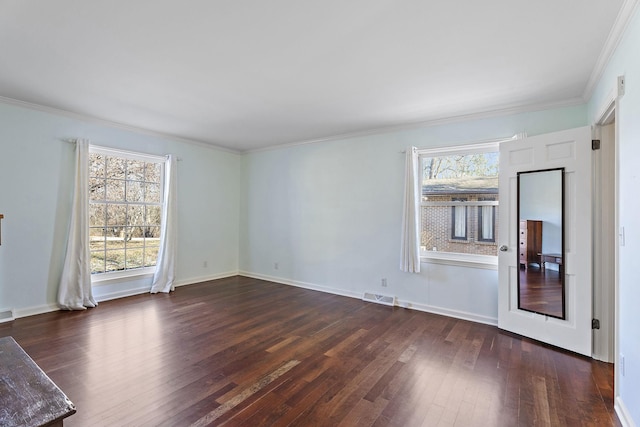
(378, 298)
(6, 315)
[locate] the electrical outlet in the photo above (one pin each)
(384, 282)
(276, 265)
(205, 264)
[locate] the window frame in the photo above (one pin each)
(454, 219)
(461, 259)
(110, 277)
(480, 226)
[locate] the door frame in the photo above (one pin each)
(610, 108)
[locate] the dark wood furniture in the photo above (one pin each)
(552, 258)
(530, 242)
(27, 396)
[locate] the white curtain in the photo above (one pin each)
(460, 223)
(410, 250)
(487, 222)
(75, 292)
(165, 274)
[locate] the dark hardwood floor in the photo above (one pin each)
(241, 351)
(541, 291)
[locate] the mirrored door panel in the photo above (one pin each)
(541, 284)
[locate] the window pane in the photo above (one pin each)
(115, 190)
(116, 214)
(96, 165)
(124, 212)
(150, 257)
(152, 236)
(115, 260)
(135, 191)
(135, 170)
(135, 215)
(153, 215)
(96, 188)
(459, 228)
(135, 258)
(486, 222)
(97, 214)
(153, 172)
(97, 262)
(116, 168)
(97, 239)
(152, 193)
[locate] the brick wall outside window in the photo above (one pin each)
(436, 228)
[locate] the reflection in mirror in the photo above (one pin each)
(541, 242)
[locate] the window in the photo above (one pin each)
(458, 220)
(125, 210)
(486, 221)
(459, 189)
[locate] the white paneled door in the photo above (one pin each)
(571, 150)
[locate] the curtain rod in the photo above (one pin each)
(73, 141)
(515, 137)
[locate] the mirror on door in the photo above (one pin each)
(541, 242)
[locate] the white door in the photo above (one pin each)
(570, 149)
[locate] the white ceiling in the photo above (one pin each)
(246, 75)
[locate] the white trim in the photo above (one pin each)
(487, 262)
(400, 303)
(122, 294)
(613, 40)
(436, 121)
(127, 154)
(305, 285)
(32, 311)
(463, 315)
(477, 147)
(113, 277)
(201, 279)
(623, 413)
(116, 125)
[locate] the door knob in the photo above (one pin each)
(504, 248)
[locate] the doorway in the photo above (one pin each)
(605, 233)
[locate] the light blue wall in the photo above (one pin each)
(329, 214)
(626, 61)
(36, 181)
(541, 199)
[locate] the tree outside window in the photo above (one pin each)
(125, 211)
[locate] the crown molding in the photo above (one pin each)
(613, 40)
(117, 125)
(436, 121)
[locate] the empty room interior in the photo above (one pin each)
(365, 213)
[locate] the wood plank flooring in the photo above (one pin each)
(245, 352)
(541, 291)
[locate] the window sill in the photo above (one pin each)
(121, 276)
(488, 262)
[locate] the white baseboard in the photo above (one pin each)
(195, 280)
(405, 304)
(305, 285)
(7, 315)
(623, 413)
(32, 311)
(121, 294)
(463, 315)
